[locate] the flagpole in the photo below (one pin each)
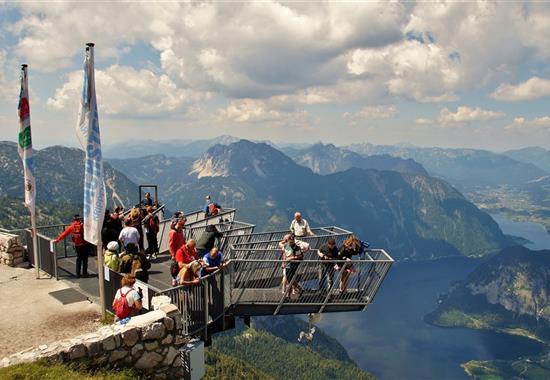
(25, 151)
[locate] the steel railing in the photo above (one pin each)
(200, 304)
(267, 241)
(312, 282)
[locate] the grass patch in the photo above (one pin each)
(108, 320)
(44, 370)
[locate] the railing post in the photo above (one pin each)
(205, 293)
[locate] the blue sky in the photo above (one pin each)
(472, 74)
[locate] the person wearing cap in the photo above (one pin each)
(211, 208)
(81, 246)
(300, 227)
(111, 256)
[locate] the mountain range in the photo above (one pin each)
(461, 167)
(413, 215)
(59, 174)
(533, 155)
(328, 159)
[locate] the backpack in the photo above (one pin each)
(111, 261)
(212, 209)
(121, 308)
(78, 234)
(126, 263)
(154, 224)
(136, 265)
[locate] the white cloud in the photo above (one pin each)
(423, 121)
(378, 112)
(523, 125)
(467, 114)
(258, 111)
(122, 90)
(423, 72)
(533, 88)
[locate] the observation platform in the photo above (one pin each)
(251, 282)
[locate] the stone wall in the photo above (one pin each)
(11, 250)
(149, 343)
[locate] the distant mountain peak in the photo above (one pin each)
(242, 158)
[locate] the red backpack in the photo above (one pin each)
(212, 209)
(78, 234)
(121, 308)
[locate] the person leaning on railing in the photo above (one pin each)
(328, 253)
(81, 246)
(352, 246)
(190, 273)
(300, 227)
(213, 261)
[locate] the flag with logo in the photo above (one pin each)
(87, 131)
(25, 141)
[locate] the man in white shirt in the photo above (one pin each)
(128, 234)
(300, 227)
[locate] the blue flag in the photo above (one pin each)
(87, 131)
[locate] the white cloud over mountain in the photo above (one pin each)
(533, 88)
(297, 63)
(467, 114)
(125, 91)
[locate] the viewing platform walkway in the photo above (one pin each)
(251, 282)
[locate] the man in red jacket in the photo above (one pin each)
(82, 247)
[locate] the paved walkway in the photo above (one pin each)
(31, 317)
(159, 274)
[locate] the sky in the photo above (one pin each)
(450, 74)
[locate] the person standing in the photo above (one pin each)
(300, 227)
(206, 241)
(147, 201)
(152, 226)
(81, 246)
(128, 234)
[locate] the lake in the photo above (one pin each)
(534, 232)
(392, 341)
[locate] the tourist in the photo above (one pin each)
(81, 246)
(127, 302)
(186, 253)
(352, 246)
(129, 234)
(206, 241)
(111, 228)
(328, 253)
(147, 201)
(135, 262)
(189, 273)
(213, 261)
(152, 227)
(111, 259)
(293, 254)
(300, 227)
(136, 220)
(211, 208)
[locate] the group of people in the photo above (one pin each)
(333, 259)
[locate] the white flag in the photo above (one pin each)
(25, 141)
(87, 131)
